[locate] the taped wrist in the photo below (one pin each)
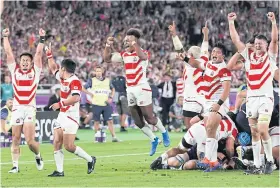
(42, 39)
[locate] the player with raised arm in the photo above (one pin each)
(260, 67)
(67, 121)
(139, 93)
(192, 77)
(25, 79)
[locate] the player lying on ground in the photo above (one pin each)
(66, 126)
(260, 66)
(196, 135)
(139, 93)
(25, 79)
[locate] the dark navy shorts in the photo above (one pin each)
(192, 153)
(106, 111)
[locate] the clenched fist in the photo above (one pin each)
(42, 32)
(232, 16)
(271, 16)
(205, 29)
(110, 40)
(6, 32)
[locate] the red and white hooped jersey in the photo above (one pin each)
(135, 69)
(25, 84)
(180, 87)
(213, 76)
(69, 87)
(193, 81)
(259, 73)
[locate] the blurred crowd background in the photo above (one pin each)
(79, 29)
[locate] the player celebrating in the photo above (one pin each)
(260, 66)
(67, 121)
(193, 79)
(139, 93)
(25, 79)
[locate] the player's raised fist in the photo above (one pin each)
(180, 56)
(6, 32)
(271, 16)
(42, 32)
(110, 40)
(232, 16)
(172, 29)
(205, 29)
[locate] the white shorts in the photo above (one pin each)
(68, 122)
(224, 109)
(193, 105)
(23, 114)
(274, 133)
(140, 95)
(259, 105)
(195, 135)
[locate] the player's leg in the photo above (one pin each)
(274, 133)
(58, 152)
(151, 119)
(107, 116)
(123, 109)
(15, 149)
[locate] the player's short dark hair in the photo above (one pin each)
(135, 32)
(251, 40)
(26, 54)
(221, 47)
(69, 65)
(261, 37)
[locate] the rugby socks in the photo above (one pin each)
(81, 153)
(214, 151)
(267, 146)
(147, 131)
(15, 157)
(257, 153)
(38, 156)
(59, 158)
(209, 147)
(164, 156)
(160, 126)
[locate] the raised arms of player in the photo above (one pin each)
(107, 54)
(140, 53)
(273, 46)
(39, 51)
(176, 41)
(52, 65)
(233, 33)
(7, 46)
(235, 62)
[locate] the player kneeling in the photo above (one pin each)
(67, 122)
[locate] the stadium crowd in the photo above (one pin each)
(79, 30)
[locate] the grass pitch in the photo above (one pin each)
(124, 164)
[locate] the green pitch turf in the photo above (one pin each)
(124, 164)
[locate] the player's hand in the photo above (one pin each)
(110, 41)
(6, 32)
(131, 40)
(42, 32)
(180, 56)
(271, 16)
(205, 29)
(48, 50)
(172, 29)
(55, 106)
(232, 16)
(215, 108)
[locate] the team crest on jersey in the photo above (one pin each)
(135, 59)
(30, 76)
(18, 120)
(212, 73)
(266, 110)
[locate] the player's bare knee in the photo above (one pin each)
(152, 120)
(70, 147)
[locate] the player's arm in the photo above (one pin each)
(276, 75)
(235, 62)
(205, 43)
(273, 46)
(39, 50)
(230, 147)
(107, 54)
(175, 39)
(233, 33)
(51, 63)
(7, 47)
(140, 53)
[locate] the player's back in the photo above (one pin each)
(226, 128)
(70, 86)
(25, 84)
(135, 69)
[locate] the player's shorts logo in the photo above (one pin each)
(18, 120)
(131, 101)
(250, 114)
(142, 102)
(266, 110)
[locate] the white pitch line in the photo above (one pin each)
(78, 158)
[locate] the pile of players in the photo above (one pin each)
(217, 138)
